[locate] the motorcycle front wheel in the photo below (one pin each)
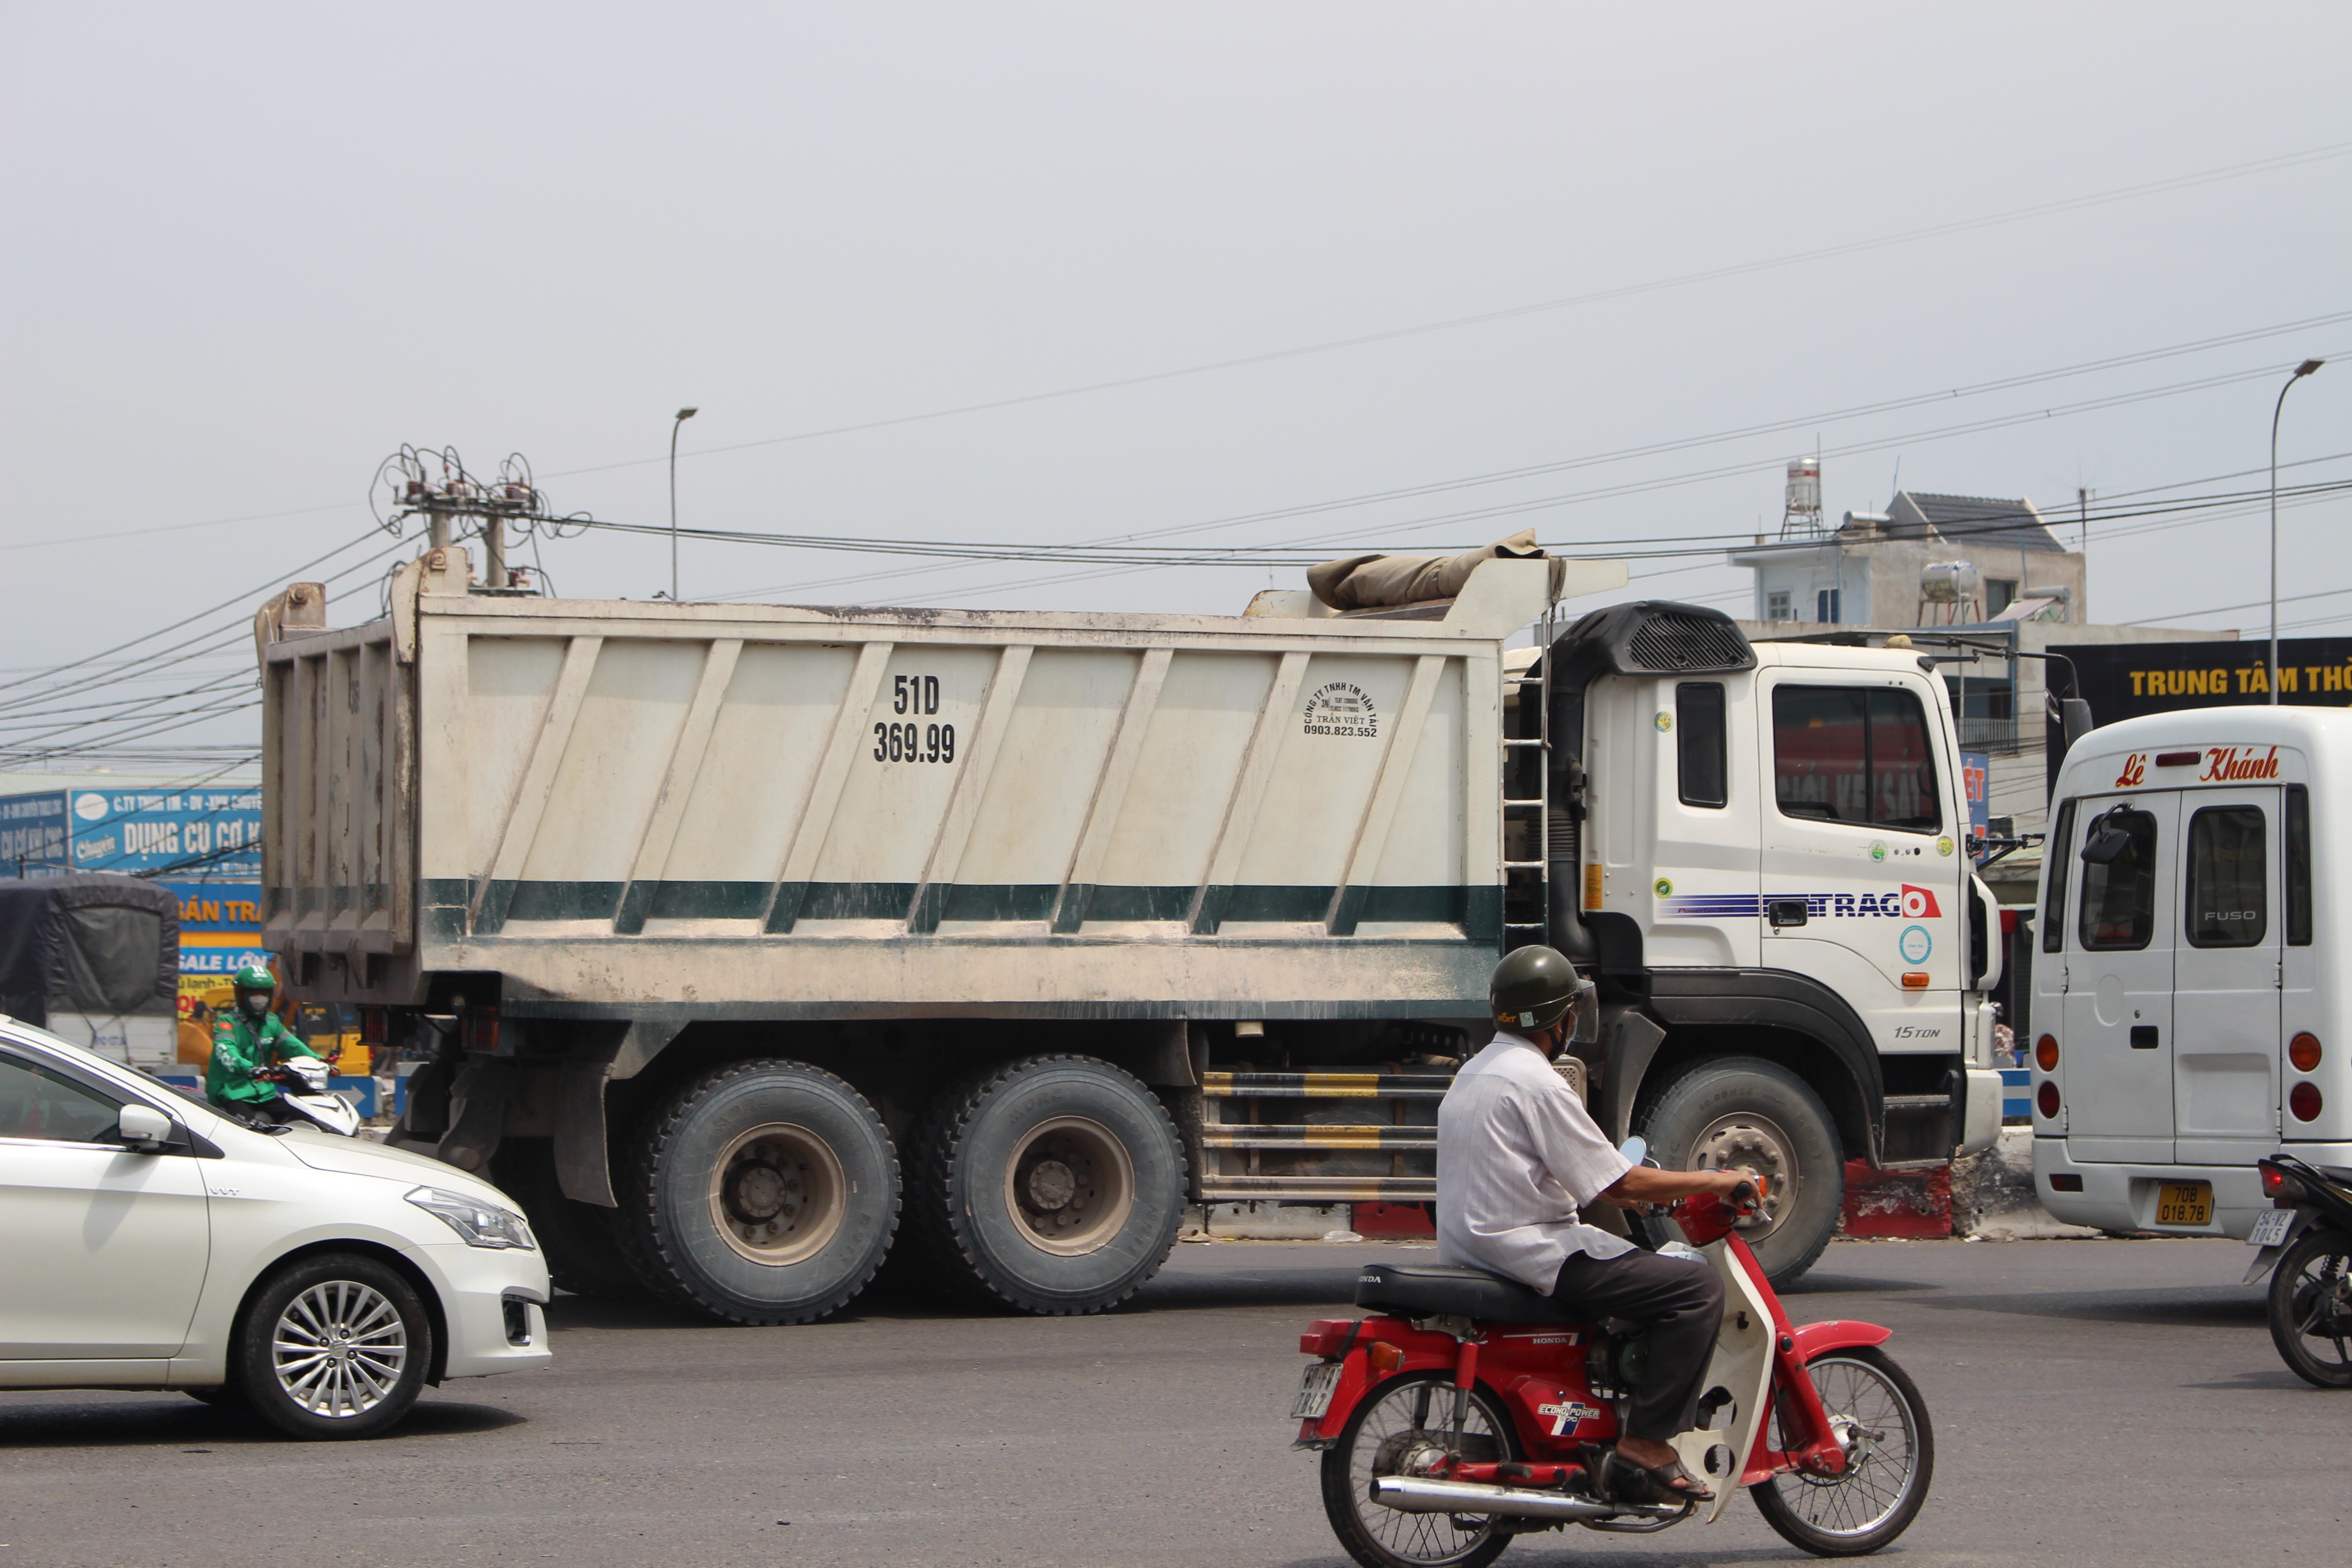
(1401, 1427)
(2311, 1308)
(1890, 1459)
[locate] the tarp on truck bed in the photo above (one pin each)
(90, 942)
(1377, 582)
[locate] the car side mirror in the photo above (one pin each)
(144, 1128)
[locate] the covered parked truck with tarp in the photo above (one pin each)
(93, 959)
(727, 929)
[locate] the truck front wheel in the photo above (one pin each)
(1051, 1184)
(761, 1192)
(1746, 1113)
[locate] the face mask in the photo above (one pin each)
(255, 1003)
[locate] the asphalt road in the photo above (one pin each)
(2095, 1402)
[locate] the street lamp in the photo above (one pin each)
(685, 413)
(2306, 368)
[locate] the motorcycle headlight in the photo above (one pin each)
(476, 1223)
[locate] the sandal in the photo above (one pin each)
(1629, 1480)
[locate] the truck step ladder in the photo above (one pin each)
(1520, 933)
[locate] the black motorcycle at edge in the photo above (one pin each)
(2307, 1235)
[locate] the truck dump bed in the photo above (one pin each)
(648, 810)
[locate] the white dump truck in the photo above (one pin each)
(730, 930)
(2186, 1018)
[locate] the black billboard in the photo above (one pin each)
(2124, 680)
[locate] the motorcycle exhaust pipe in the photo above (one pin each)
(1410, 1494)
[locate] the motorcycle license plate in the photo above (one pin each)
(2185, 1202)
(1315, 1391)
(2270, 1227)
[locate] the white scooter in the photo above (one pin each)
(301, 1085)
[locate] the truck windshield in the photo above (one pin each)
(1855, 753)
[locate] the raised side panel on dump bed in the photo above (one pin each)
(649, 806)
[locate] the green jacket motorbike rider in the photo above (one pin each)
(248, 1038)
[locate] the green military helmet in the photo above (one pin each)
(1532, 988)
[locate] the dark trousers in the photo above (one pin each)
(1682, 1303)
(252, 1112)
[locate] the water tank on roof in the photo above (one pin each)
(1804, 487)
(1949, 582)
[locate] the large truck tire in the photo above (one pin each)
(583, 1255)
(1054, 1184)
(761, 1192)
(1748, 1114)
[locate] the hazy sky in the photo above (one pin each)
(251, 249)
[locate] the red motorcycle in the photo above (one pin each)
(1471, 1409)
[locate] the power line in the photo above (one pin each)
(1254, 554)
(245, 597)
(1621, 291)
(2225, 609)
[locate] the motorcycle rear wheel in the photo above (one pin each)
(1402, 1411)
(1875, 1498)
(2311, 1308)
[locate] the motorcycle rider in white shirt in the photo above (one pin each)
(1518, 1157)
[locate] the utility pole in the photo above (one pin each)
(457, 503)
(494, 551)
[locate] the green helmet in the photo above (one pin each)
(1532, 988)
(256, 988)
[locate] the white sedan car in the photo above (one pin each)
(320, 1282)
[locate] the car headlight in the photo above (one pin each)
(478, 1223)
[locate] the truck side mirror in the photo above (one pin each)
(2075, 719)
(2106, 845)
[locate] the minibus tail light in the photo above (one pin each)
(2304, 1052)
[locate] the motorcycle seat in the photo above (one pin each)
(1440, 1289)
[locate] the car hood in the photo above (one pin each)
(362, 1157)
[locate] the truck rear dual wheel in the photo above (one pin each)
(1053, 1184)
(761, 1192)
(1746, 1113)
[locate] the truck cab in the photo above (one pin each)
(2186, 1022)
(1763, 860)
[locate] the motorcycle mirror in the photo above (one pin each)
(1635, 1149)
(144, 1128)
